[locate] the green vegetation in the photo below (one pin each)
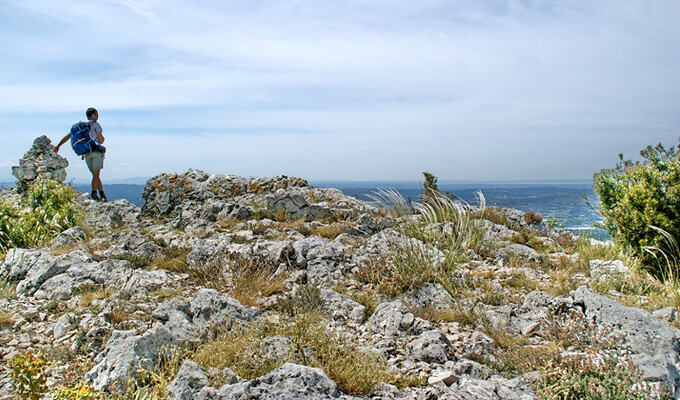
(431, 189)
(29, 376)
(45, 210)
(637, 195)
(437, 239)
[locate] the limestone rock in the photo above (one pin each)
(40, 162)
(394, 319)
(289, 381)
(606, 269)
(189, 381)
(431, 346)
(655, 344)
(126, 352)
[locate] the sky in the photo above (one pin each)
(343, 89)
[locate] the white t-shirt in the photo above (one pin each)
(94, 128)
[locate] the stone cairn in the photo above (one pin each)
(40, 162)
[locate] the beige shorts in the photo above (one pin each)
(94, 160)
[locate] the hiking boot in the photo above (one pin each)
(103, 199)
(94, 197)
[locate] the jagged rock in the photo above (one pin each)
(189, 381)
(668, 314)
(523, 251)
(471, 369)
(431, 346)
(109, 273)
(192, 321)
(494, 231)
(40, 162)
(341, 308)
(210, 308)
(126, 353)
(495, 388)
(289, 381)
(163, 193)
(393, 319)
(70, 237)
(63, 325)
(272, 184)
(478, 343)
(133, 243)
(431, 296)
(655, 344)
(537, 306)
(110, 215)
(294, 205)
(607, 269)
(39, 267)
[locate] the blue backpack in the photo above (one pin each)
(81, 141)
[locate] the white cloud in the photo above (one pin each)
(371, 89)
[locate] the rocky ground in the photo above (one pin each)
(225, 288)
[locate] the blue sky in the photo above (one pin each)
(352, 90)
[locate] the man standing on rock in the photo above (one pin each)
(93, 159)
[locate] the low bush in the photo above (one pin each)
(532, 218)
(636, 195)
(29, 378)
(47, 208)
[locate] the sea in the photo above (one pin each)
(572, 204)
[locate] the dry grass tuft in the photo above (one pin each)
(356, 371)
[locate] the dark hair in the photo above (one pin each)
(90, 111)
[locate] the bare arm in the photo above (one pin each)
(62, 141)
(100, 137)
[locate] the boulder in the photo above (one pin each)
(431, 346)
(655, 344)
(126, 353)
(190, 380)
(394, 319)
(289, 381)
(341, 308)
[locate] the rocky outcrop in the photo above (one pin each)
(40, 162)
(129, 285)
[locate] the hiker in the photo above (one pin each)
(93, 158)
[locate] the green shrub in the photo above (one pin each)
(636, 195)
(81, 392)
(28, 375)
(46, 209)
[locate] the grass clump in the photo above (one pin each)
(437, 238)
(7, 289)
(306, 299)
(172, 258)
(329, 231)
(154, 382)
(137, 262)
(309, 343)
(246, 278)
(6, 318)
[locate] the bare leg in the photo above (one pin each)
(96, 182)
